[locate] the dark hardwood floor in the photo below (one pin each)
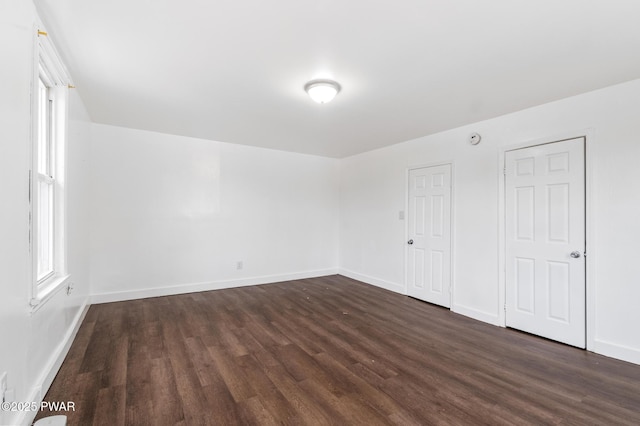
(327, 351)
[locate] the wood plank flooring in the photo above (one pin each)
(327, 350)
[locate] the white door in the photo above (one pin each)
(545, 240)
(429, 237)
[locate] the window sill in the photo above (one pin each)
(48, 290)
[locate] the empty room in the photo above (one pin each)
(308, 213)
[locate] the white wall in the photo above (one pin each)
(31, 344)
(173, 214)
(373, 191)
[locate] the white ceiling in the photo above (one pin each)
(234, 70)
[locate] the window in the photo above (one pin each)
(46, 181)
(47, 220)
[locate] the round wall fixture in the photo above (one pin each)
(322, 91)
(474, 139)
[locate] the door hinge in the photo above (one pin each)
(505, 307)
(504, 170)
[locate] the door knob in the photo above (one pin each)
(410, 242)
(575, 254)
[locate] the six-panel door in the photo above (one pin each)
(429, 234)
(545, 240)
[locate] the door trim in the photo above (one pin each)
(452, 227)
(590, 273)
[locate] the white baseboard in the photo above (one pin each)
(609, 349)
(53, 366)
(476, 314)
(205, 286)
(614, 350)
(399, 288)
(387, 285)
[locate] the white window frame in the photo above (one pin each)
(48, 68)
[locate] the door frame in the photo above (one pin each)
(452, 222)
(590, 244)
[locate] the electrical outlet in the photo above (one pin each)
(239, 265)
(3, 385)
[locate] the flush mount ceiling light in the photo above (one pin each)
(322, 91)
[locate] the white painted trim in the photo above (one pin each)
(558, 137)
(54, 285)
(405, 275)
(46, 55)
(52, 367)
(452, 237)
(590, 237)
(387, 285)
(52, 57)
(589, 137)
(120, 296)
(430, 164)
(502, 263)
(476, 314)
(614, 350)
